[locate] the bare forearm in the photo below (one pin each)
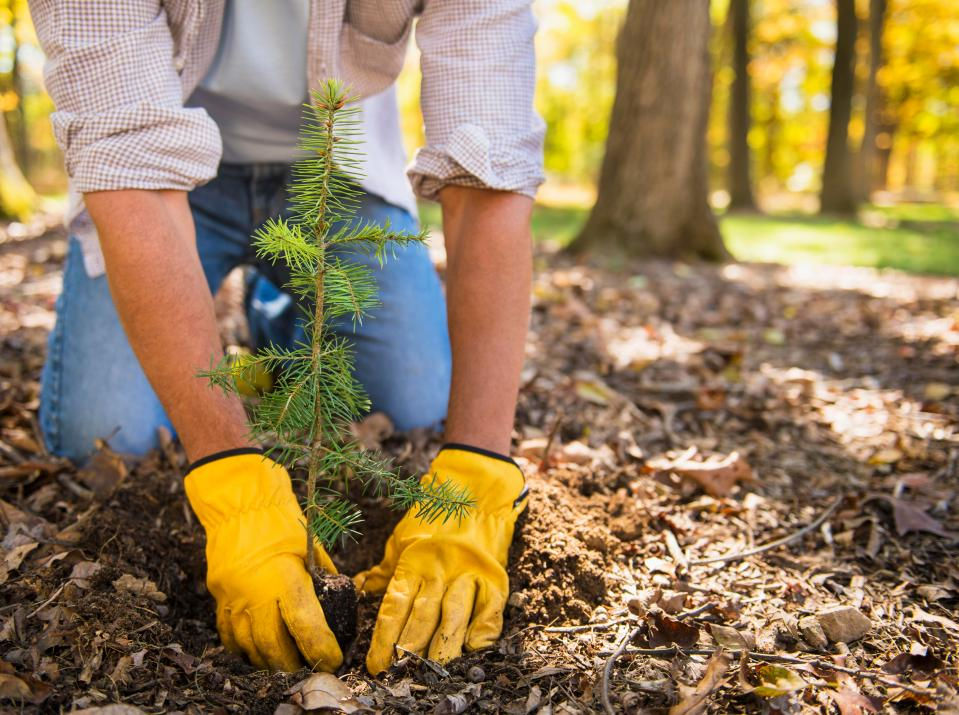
(489, 268)
(161, 296)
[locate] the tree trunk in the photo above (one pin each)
(740, 184)
(868, 157)
(653, 187)
(838, 194)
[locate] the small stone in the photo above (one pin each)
(475, 674)
(813, 633)
(844, 624)
(517, 599)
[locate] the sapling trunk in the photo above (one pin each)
(305, 419)
(316, 447)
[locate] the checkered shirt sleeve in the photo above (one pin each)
(478, 66)
(111, 71)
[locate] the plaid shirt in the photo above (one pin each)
(119, 73)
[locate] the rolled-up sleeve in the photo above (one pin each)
(119, 118)
(479, 72)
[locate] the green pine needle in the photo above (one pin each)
(306, 417)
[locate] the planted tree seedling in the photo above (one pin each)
(305, 418)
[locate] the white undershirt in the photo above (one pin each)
(256, 87)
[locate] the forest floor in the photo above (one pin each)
(672, 418)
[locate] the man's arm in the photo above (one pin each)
(161, 295)
(489, 268)
(446, 584)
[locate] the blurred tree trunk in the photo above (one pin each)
(868, 157)
(838, 194)
(17, 197)
(652, 188)
(740, 183)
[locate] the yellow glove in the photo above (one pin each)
(446, 583)
(266, 606)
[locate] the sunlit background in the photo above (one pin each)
(911, 217)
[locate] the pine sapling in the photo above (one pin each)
(306, 417)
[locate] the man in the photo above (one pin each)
(145, 91)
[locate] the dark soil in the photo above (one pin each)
(812, 393)
(337, 596)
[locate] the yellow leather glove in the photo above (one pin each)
(266, 606)
(446, 583)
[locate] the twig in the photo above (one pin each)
(675, 550)
(39, 608)
(696, 611)
(608, 669)
(771, 658)
(586, 626)
(431, 664)
(773, 544)
(79, 490)
(544, 462)
(611, 661)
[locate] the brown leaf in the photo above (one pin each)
(325, 691)
(776, 680)
(23, 688)
(667, 631)
(905, 662)
(730, 638)
(103, 473)
(695, 702)
(912, 516)
(372, 430)
(83, 571)
(920, 615)
(850, 702)
(12, 688)
(139, 586)
(716, 475)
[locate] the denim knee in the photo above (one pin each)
(92, 385)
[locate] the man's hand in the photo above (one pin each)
(266, 606)
(446, 584)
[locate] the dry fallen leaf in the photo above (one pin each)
(695, 700)
(372, 430)
(14, 557)
(103, 473)
(139, 586)
(936, 391)
(905, 662)
(912, 516)
(668, 631)
(850, 702)
(777, 680)
(325, 691)
(730, 638)
(716, 475)
(83, 571)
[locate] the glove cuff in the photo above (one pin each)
(229, 483)
(494, 480)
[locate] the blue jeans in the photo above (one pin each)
(93, 387)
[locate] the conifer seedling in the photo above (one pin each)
(305, 419)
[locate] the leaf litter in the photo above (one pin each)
(669, 415)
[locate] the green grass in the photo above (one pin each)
(919, 238)
(550, 223)
(918, 245)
